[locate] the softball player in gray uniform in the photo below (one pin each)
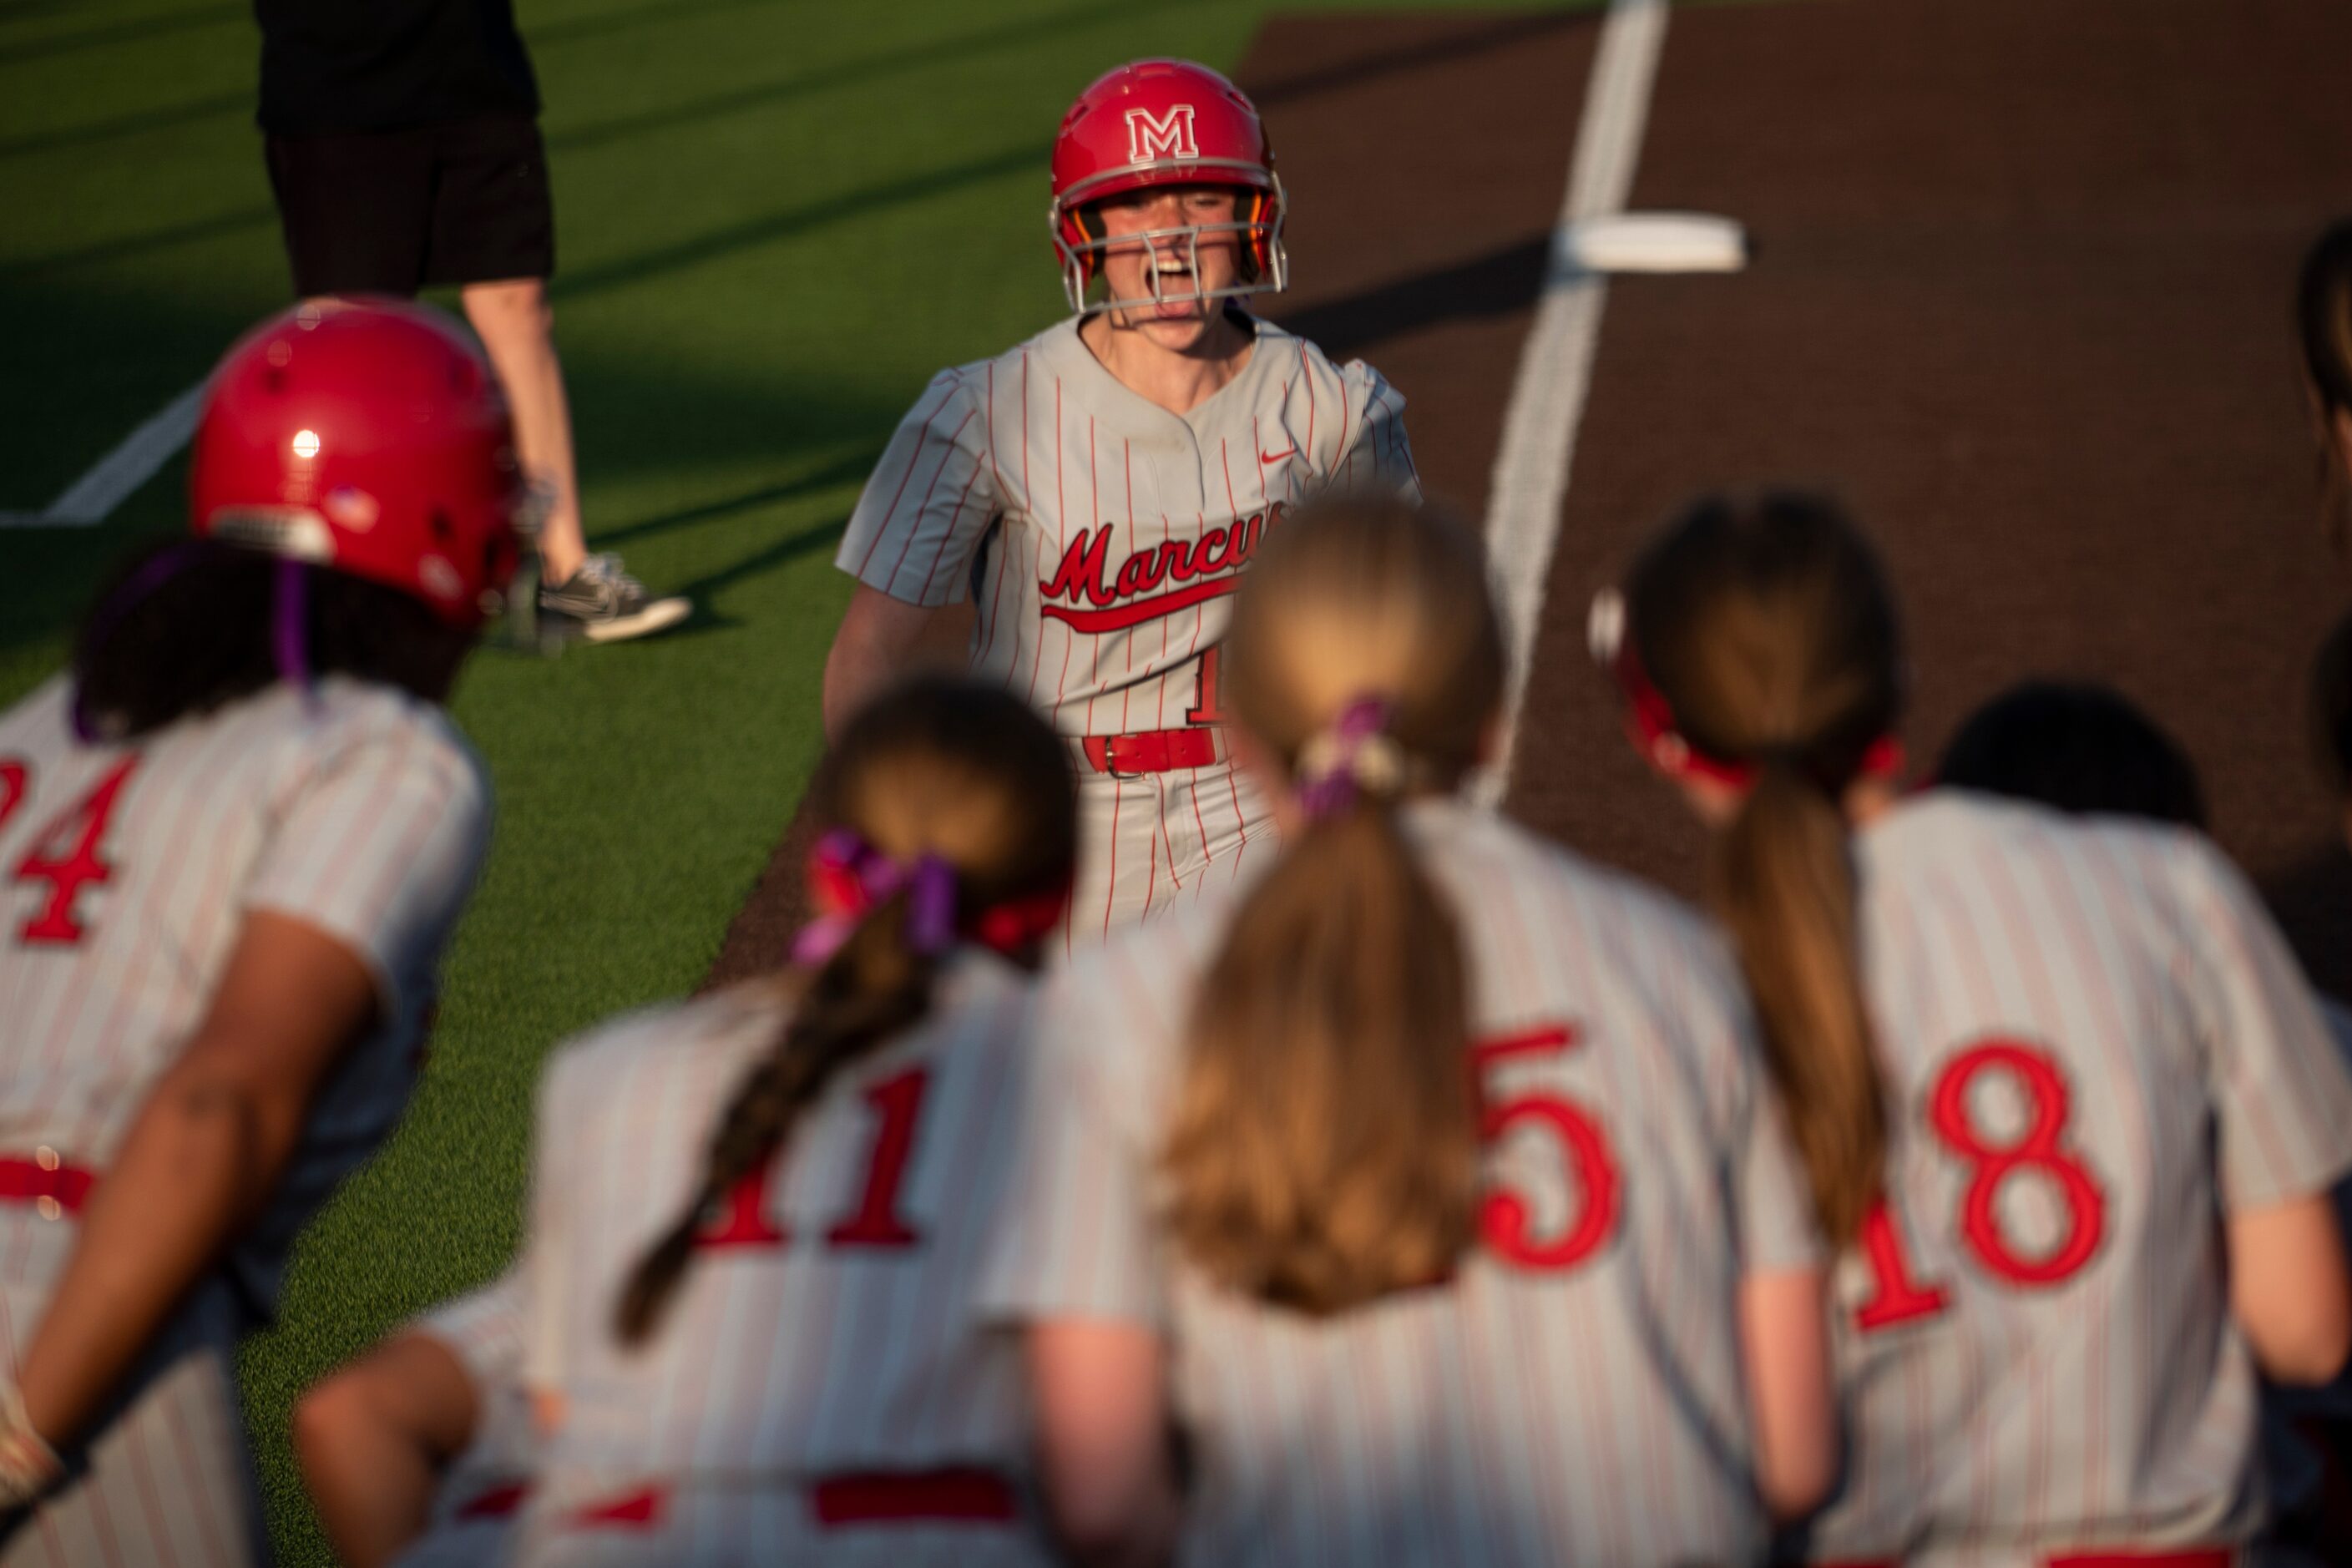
(757, 1218)
(238, 836)
(2098, 1199)
(1096, 491)
(1434, 1179)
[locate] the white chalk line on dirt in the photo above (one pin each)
(90, 498)
(1532, 462)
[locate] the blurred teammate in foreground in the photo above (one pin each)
(1432, 1189)
(2066, 1101)
(242, 830)
(757, 1217)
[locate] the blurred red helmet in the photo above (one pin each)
(368, 436)
(1165, 122)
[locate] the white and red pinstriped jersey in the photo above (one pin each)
(1574, 1393)
(827, 1327)
(1099, 535)
(358, 811)
(2097, 1046)
(1100, 538)
(481, 1494)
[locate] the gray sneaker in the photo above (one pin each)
(604, 603)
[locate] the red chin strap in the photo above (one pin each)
(1650, 719)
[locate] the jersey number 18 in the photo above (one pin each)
(1898, 1295)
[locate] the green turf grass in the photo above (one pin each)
(776, 220)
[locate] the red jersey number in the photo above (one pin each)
(897, 1105)
(1504, 1221)
(2038, 1148)
(66, 853)
(1208, 694)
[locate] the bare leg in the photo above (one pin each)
(516, 328)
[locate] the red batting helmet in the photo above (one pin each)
(1165, 122)
(367, 435)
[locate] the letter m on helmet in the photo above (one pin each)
(1152, 136)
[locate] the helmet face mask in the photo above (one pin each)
(1149, 126)
(1261, 264)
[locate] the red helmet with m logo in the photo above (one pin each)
(1165, 122)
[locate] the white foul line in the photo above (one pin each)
(89, 499)
(1532, 465)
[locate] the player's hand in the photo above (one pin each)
(28, 1466)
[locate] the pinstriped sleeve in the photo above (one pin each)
(543, 1295)
(2282, 1100)
(1778, 1227)
(378, 847)
(1377, 458)
(929, 501)
(483, 1330)
(1078, 1241)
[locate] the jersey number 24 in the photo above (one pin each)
(66, 852)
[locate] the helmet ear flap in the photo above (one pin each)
(1255, 253)
(1089, 220)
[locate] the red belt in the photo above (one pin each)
(23, 1181)
(501, 1501)
(966, 1496)
(880, 1497)
(1152, 751)
(2200, 1557)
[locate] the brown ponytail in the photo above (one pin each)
(939, 768)
(1324, 1150)
(1769, 630)
(1781, 885)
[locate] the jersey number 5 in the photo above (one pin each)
(64, 853)
(897, 1103)
(1504, 1223)
(1897, 1295)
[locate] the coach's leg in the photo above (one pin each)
(517, 327)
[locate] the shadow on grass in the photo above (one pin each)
(578, 283)
(634, 416)
(848, 470)
(785, 88)
(135, 30)
(794, 221)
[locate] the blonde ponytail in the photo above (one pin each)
(1324, 1151)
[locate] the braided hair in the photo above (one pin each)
(939, 767)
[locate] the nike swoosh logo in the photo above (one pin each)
(1278, 457)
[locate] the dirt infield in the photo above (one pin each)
(2022, 297)
(2019, 296)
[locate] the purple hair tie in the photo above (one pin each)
(932, 906)
(1353, 754)
(848, 877)
(289, 638)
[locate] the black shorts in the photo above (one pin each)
(388, 212)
